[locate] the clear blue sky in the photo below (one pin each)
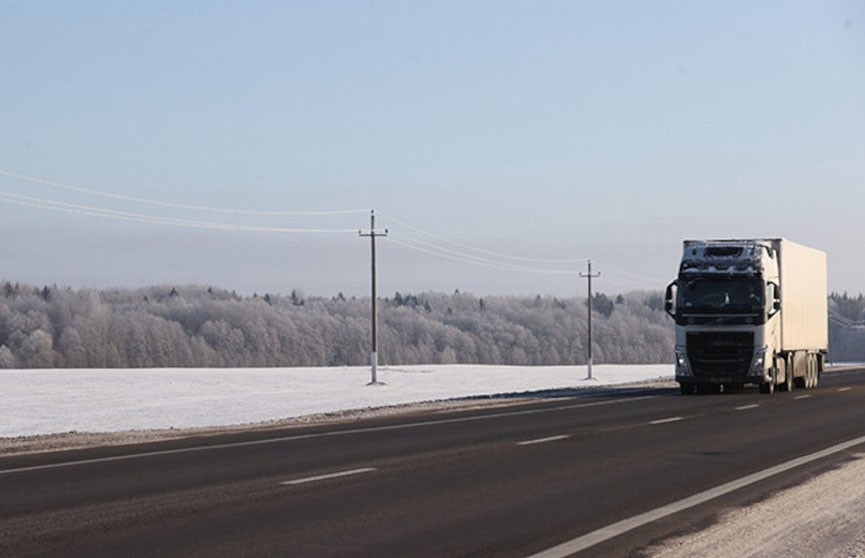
(545, 130)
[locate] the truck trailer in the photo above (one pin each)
(751, 311)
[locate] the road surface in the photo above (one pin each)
(598, 475)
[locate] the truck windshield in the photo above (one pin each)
(729, 295)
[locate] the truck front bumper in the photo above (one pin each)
(757, 372)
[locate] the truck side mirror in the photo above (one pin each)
(775, 291)
(668, 299)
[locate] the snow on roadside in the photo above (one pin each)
(40, 402)
(823, 517)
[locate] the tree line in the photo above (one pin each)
(846, 327)
(196, 326)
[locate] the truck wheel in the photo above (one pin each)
(788, 375)
(767, 388)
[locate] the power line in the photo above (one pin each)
(634, 278)
(134, 199)
(446, 253)
(846, 324)
(628, 283)
(843, 320)
(482, 250)
(462, 252)
(42, 203)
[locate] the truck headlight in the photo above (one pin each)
(759, 363)
(682, 367)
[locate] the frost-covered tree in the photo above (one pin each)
(206, 326)
(7, 359)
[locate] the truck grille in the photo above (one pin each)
(720, 353)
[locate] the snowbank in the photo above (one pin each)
(823, 517)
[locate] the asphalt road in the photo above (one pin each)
(513, 480)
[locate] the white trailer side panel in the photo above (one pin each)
(804, 291)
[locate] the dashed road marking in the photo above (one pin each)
(806, 396)
(667, 420)
(327, 434)
(543, 440)
(329, 476)
(746, 407)
(845, 389)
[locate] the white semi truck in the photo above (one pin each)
(749, 312)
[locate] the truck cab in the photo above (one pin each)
(729, 311)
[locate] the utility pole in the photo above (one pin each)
(373, 359)
(589, 276)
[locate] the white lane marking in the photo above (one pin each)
(334, 433)
(329, 476)
(806, 396)
(667, 420)
(746, 407)
(614, 530)
(845, 389)
(543, 440)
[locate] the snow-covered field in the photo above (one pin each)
(38, 402)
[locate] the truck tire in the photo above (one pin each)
(788, 375)
(802, 382)
(767, 388)
(813, 376)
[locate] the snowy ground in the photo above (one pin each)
(40, 402)
(824, 517)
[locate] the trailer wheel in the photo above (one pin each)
(816, 379)
(803, 382)
(811, 379)
(767, 388)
